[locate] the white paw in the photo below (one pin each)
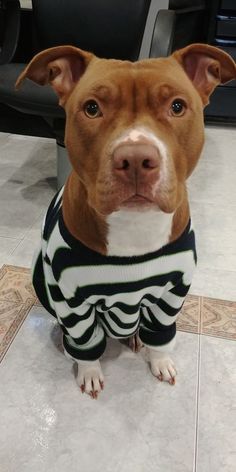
(90, 378)
(162, 366)
(135, 343)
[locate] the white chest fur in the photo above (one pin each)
(133, 233)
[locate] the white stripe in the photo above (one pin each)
(81, 327)
(146, 314)
(117, 329)
(50, 300)
(63, 309)
(55, 204)
(162, 317)
(55, 242)
(35, 258)
(59, 196)
(128, 298)
(175, 301)
(96, 339)
(112, 274)
(123, 317)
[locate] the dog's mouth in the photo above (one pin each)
(137, 200)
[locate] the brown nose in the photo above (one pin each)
(132, 161)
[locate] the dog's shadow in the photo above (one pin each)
(56, 337)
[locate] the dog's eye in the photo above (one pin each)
(91, 109)
(178, 107)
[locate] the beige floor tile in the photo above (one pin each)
(190, 317)
(16, 299)
(218, 318)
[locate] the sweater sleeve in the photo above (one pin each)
(158, 321)
(84, 338)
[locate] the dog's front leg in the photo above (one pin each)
(162, 366)
(90, 377)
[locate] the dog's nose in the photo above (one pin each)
(135, 160)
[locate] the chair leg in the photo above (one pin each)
(63, 165)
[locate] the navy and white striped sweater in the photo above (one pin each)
(94, 296)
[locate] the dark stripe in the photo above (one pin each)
(91, 354)
(51, 217)
(114, 288)
(75, 302)
(56, 293)
(154, 324)
(47, 260)
(39, 284)
(111, 330)
(71, 320)
(127, 309)
(87, 335)
(169, 310)
(119, 323)
(157, 338)
(89, 257)
(63, 329)
(180, 290)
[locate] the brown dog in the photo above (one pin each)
(118, 250)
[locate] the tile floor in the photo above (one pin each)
(137, 424)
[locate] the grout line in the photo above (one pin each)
(197, 406)
(9, 237)
(15, 248)
(201, 302)
(208, 335)
(40, 215)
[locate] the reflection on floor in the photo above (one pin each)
(137, 423)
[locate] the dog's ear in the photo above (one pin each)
(61, 67)
(206, 66)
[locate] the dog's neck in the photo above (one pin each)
(80, 219)
(124, 232)
(133, 233)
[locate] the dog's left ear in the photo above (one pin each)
(206, 66)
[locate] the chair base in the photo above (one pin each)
(63, 165)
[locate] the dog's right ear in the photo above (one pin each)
(61, 67)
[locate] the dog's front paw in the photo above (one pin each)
(90, 378)
(162, 366)
(135, 343)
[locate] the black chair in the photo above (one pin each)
(120, 29)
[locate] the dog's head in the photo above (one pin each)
(134, 131)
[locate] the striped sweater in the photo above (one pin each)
(94, 296)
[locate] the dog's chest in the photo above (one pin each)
(133, 233)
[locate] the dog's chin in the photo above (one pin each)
(139, 203)
(162, 202)
(134, 202)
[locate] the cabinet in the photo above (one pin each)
(222, 33)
